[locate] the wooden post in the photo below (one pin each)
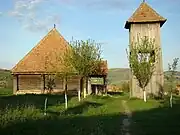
(89, 87)
(104, 85)
(15, 84)
(42, 83)
(96, 90)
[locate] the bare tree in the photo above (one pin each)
(171, 78)
(142, 57)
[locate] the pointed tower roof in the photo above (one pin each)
(145, 14)
(44, 52)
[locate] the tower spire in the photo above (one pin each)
(54, 25)
(144, 0)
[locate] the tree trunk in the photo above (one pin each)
(170, 100)
(81, 89)
(65, 97)
(84, 93)
(85, 87)
(65, 92)
(144, 95)
(45, 106)
(79, 95)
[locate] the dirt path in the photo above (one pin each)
(126, 121)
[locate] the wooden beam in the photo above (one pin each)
(44, 82)
(105, 84)
(17, 78)
(15, 84)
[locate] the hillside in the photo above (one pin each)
(4, 74)
(118, 75)
(5, 78)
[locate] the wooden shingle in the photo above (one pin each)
(43, 53)
(145, 14)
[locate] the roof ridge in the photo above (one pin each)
(37, 45)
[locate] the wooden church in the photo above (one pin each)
(145, 21)
(30, 73)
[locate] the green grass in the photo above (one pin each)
(5, 91)
(95, 115)
(23, 115)
(155, 117)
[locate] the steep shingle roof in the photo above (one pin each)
(42, 54)
(145, 14)
(45, 56)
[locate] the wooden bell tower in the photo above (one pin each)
(147, 22)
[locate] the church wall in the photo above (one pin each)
(35, 84)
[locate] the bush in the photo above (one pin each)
(125, 87)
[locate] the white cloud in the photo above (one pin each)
(32, 15)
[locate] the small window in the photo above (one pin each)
(146, 56)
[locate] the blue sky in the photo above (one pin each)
(23, 23)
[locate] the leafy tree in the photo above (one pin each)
(171, 78)
(57, 66)
(85, 57)
(65, 71)
(142, 56)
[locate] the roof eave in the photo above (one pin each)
(162, 22)
(128, 23)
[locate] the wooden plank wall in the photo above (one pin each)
(29, 82)
(151, 30)
(35, 84)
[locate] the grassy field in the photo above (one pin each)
(23, 115)
(95, 115)
(155, 117)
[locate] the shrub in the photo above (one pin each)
(125, 87)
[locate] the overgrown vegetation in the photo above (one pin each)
(171, 78)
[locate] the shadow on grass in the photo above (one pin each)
(158, 121)
(79, 125)
(77, 110)
(116, 93)
(37, 101)
(82, 108)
